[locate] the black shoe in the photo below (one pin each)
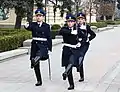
(39, 83)
(82, 79)
(71, 87)
(64, 76)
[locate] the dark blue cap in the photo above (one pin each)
(81, 15)
(40, 12)
(70, 17)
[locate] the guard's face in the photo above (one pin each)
(70, 23)
(81, 20)
(39, 18)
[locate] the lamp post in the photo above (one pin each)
(77, 7)
(45, 8)
(90, 8)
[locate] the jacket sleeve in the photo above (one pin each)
(82, 35)
(49, 39)
(92, 34)
(64, 31)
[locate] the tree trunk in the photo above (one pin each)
(30, 11)
(54, 15)
(113, 17)
(18, 22)
(104, 18)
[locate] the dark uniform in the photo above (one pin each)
(70, 53)
(85, 42)
(40, 45)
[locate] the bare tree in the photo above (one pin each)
(105, 8)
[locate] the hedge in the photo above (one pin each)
(99, 24)
(13, 41)
(54, 33)
(55, 27)
(110, 22)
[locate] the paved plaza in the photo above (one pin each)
(101, 64)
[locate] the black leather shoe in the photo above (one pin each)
(39, 83)
(71, 87)
(82, 79)
(64, 76)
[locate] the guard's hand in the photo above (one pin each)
(26, 25)
(78, 45)
(74, 32)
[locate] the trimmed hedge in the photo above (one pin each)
(110, 22)
(54, 33)
(99, 24)
(13, 41)
(55, 27)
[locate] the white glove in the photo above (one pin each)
(87, 40)
(78, 44)
(74, 32)
(83, 27)
(26, 25)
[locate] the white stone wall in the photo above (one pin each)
(10, 20)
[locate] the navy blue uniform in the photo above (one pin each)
(85, 42)
(89, 35)
(68, 51)
(39, 48)
(70, 55)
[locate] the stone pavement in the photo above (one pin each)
(102, 69)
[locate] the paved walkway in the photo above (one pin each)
(102, 69)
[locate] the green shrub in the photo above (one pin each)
(117, 22)
(10, 42)
(54, 33)
(9, 31)
(110, 22)
(99, 24)
(11, 39)
(55, 27)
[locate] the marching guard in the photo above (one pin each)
(70, 53)
(41, 42)
(85, 42)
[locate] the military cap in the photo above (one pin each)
(70, 17)
(40, 12)
(81, 15)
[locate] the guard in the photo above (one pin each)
(41, 42)
(85, 42)
(70, 48)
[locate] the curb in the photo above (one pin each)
(22, 50)
(105, 29)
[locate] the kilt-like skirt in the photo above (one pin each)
(39, 49)
(70, 56)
